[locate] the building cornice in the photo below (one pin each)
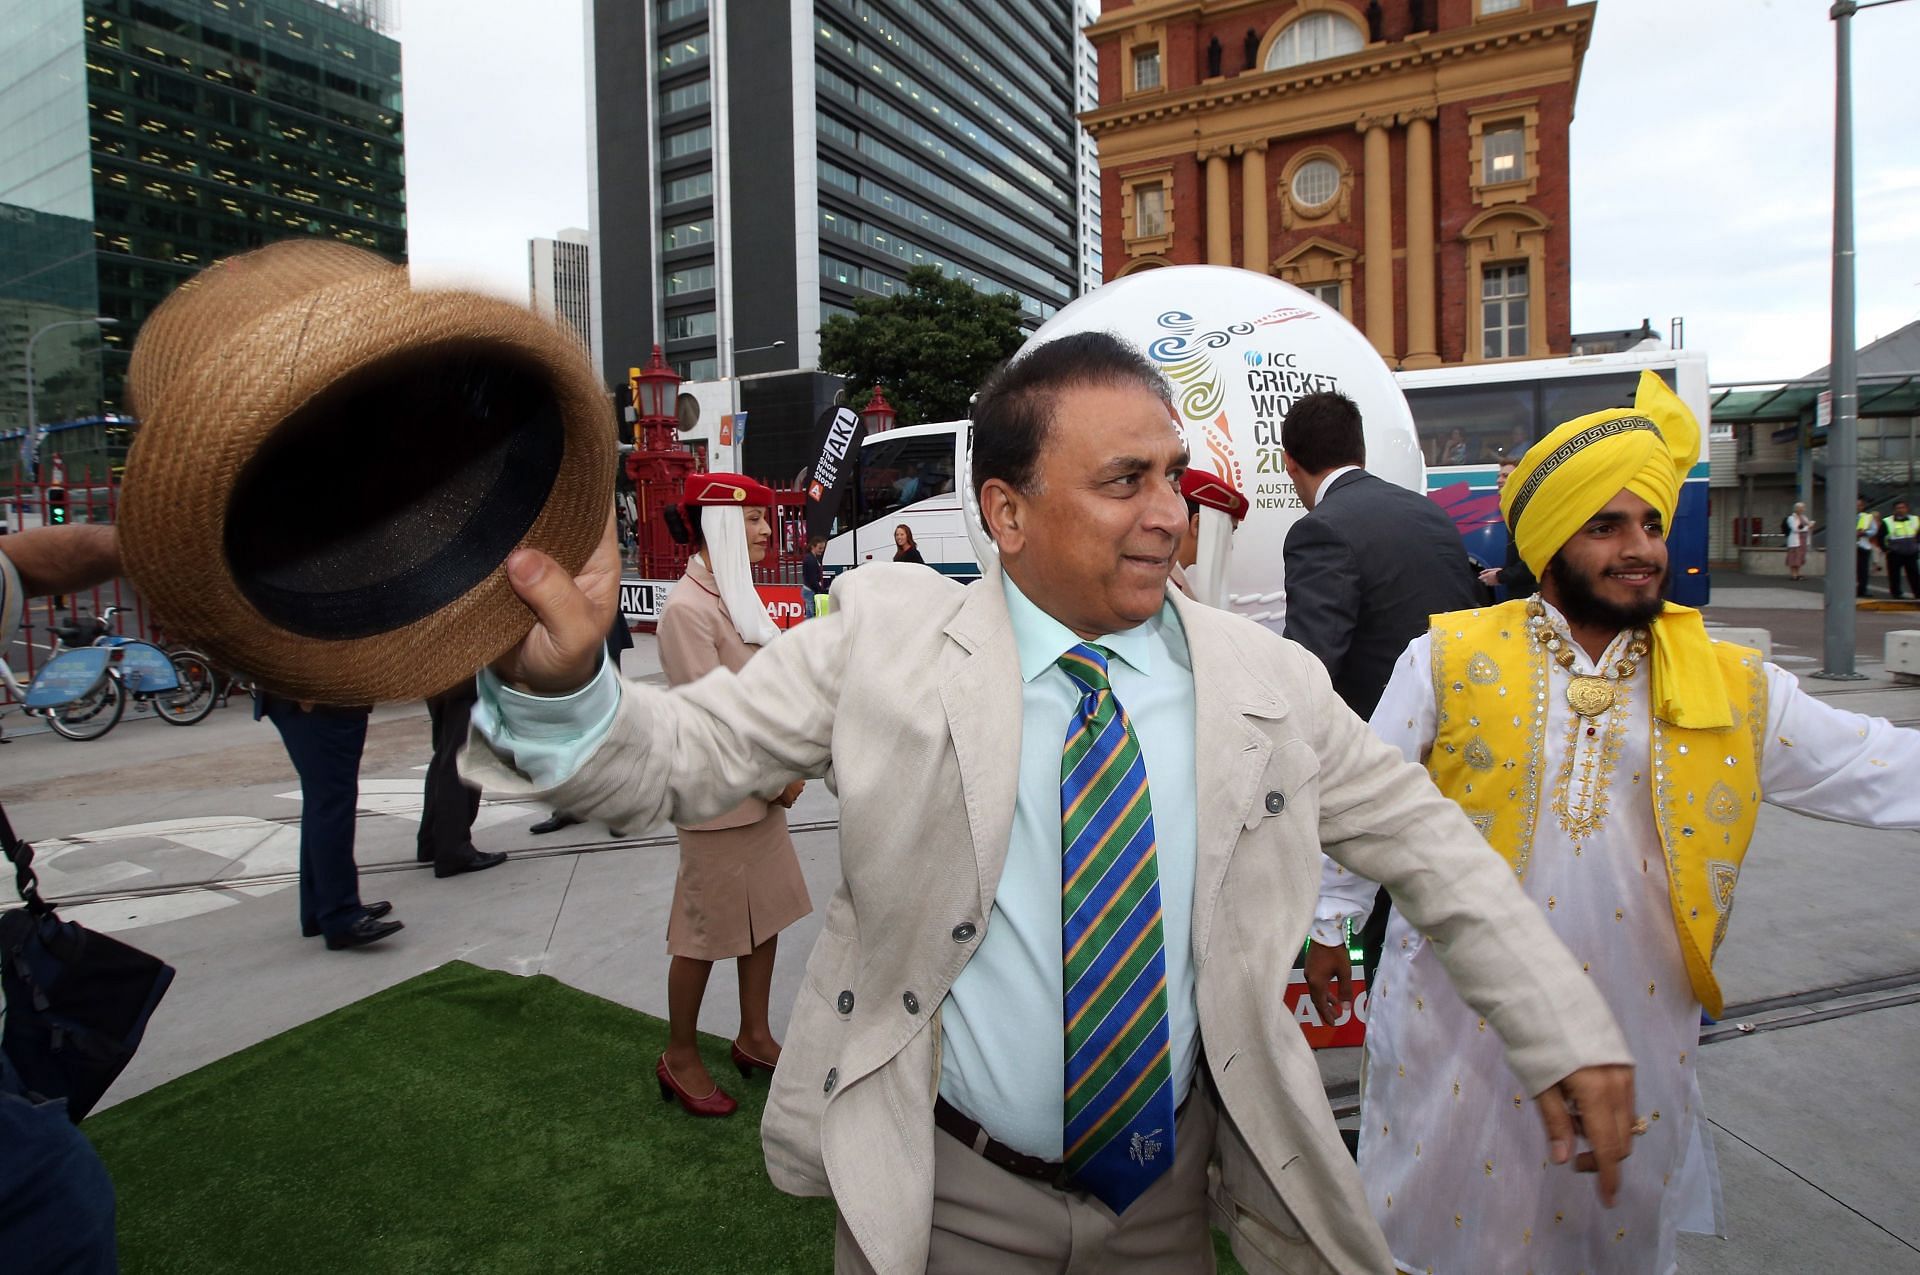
(1404, 77)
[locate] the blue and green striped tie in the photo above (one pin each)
(1119, 1077)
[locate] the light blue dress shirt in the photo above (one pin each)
(1003, 1056)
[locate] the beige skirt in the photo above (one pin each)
(737, 888)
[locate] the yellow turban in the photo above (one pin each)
(1571, 474)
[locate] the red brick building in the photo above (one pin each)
(1406, 160)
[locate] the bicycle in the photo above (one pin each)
(181, 686)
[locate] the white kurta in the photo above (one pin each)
(1452, 1151)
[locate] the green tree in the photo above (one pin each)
(929, 347)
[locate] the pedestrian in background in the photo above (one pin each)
(1866, 535)
(904, 549)
(449, 804)
(739, 883)
(1799, 529)
(1365, 568)
(813, 573)
(56, 1200)
(1900, 542)
(324, 742)
(1513, 580)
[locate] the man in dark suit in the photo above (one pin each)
(1365, 568)
(1514, 578)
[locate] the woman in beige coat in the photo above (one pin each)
(740, 882)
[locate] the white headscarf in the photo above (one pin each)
(1207, 577)
(724, 528)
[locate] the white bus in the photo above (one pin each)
(1471, 417)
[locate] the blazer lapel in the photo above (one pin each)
(980, 690)
(1230, 753)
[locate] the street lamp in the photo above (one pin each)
(33, 429)
(1843, 461)
(878, 414)
(733, 380)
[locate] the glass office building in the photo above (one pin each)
(141, 140)
(756, 174)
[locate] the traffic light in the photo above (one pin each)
(56, 506)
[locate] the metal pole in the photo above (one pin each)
(1842, 457)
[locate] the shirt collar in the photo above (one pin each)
(1041, 640)
(1330, 480)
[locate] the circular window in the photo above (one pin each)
(1315, 183)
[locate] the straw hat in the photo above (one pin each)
(332, 468)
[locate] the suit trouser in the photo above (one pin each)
(1862, 569)
(325, 745)
(56, 1201)
(986, 1219)
(446, 821)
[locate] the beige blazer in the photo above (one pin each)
(696, 637)
(906, 698)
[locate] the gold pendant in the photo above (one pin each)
(1590, 696)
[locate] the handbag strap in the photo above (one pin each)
(20, 854)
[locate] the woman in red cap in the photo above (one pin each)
(740, 882)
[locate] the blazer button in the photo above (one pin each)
(833, 1078)
(912, 1003)
(963, 932)
(846, 1002)
(1276, 802)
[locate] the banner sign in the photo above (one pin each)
(1349, 1029)
(642, 600)
(68, 676)
(836, 451)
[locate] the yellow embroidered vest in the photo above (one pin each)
(1490, 684)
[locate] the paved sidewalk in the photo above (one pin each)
(192, 834)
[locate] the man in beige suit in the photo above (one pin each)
(937, 1064)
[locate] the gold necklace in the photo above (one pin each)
(1588, 694)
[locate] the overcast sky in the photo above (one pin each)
(1702, 163)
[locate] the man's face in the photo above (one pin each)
(1899, 508)
(1613, 571)
(1092, 541)
(1506, 472)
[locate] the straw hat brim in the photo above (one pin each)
(189, 466)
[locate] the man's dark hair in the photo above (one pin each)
(1014, 410)
(1322, 431)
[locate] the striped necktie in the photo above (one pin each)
(1119, 1076)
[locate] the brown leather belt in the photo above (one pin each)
(947, 1118)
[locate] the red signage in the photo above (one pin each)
(1349, 1029)
(786, 606)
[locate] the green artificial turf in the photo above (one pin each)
(465, 1121)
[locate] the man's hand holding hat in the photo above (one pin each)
(573, 613)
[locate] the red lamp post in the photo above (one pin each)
(658, 466)
(878, 415)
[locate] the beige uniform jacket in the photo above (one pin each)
(906, 698)
(697, 636)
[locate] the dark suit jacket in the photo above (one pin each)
(1365, 570)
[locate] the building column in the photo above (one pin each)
(1255, 248)
(1422, 347)
(1379, 234)
(1219, 212)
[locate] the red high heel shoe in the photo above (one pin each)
(716, 1103)
(747, 1063)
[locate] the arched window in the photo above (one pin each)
(1313, 38)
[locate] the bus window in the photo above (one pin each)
(1469, 424)
(1565, 398)
(895, 473)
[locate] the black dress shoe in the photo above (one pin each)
(374, 910)
(368, 929)
(478, 861)
(553, 823)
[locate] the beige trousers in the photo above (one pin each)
(986, 1219)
